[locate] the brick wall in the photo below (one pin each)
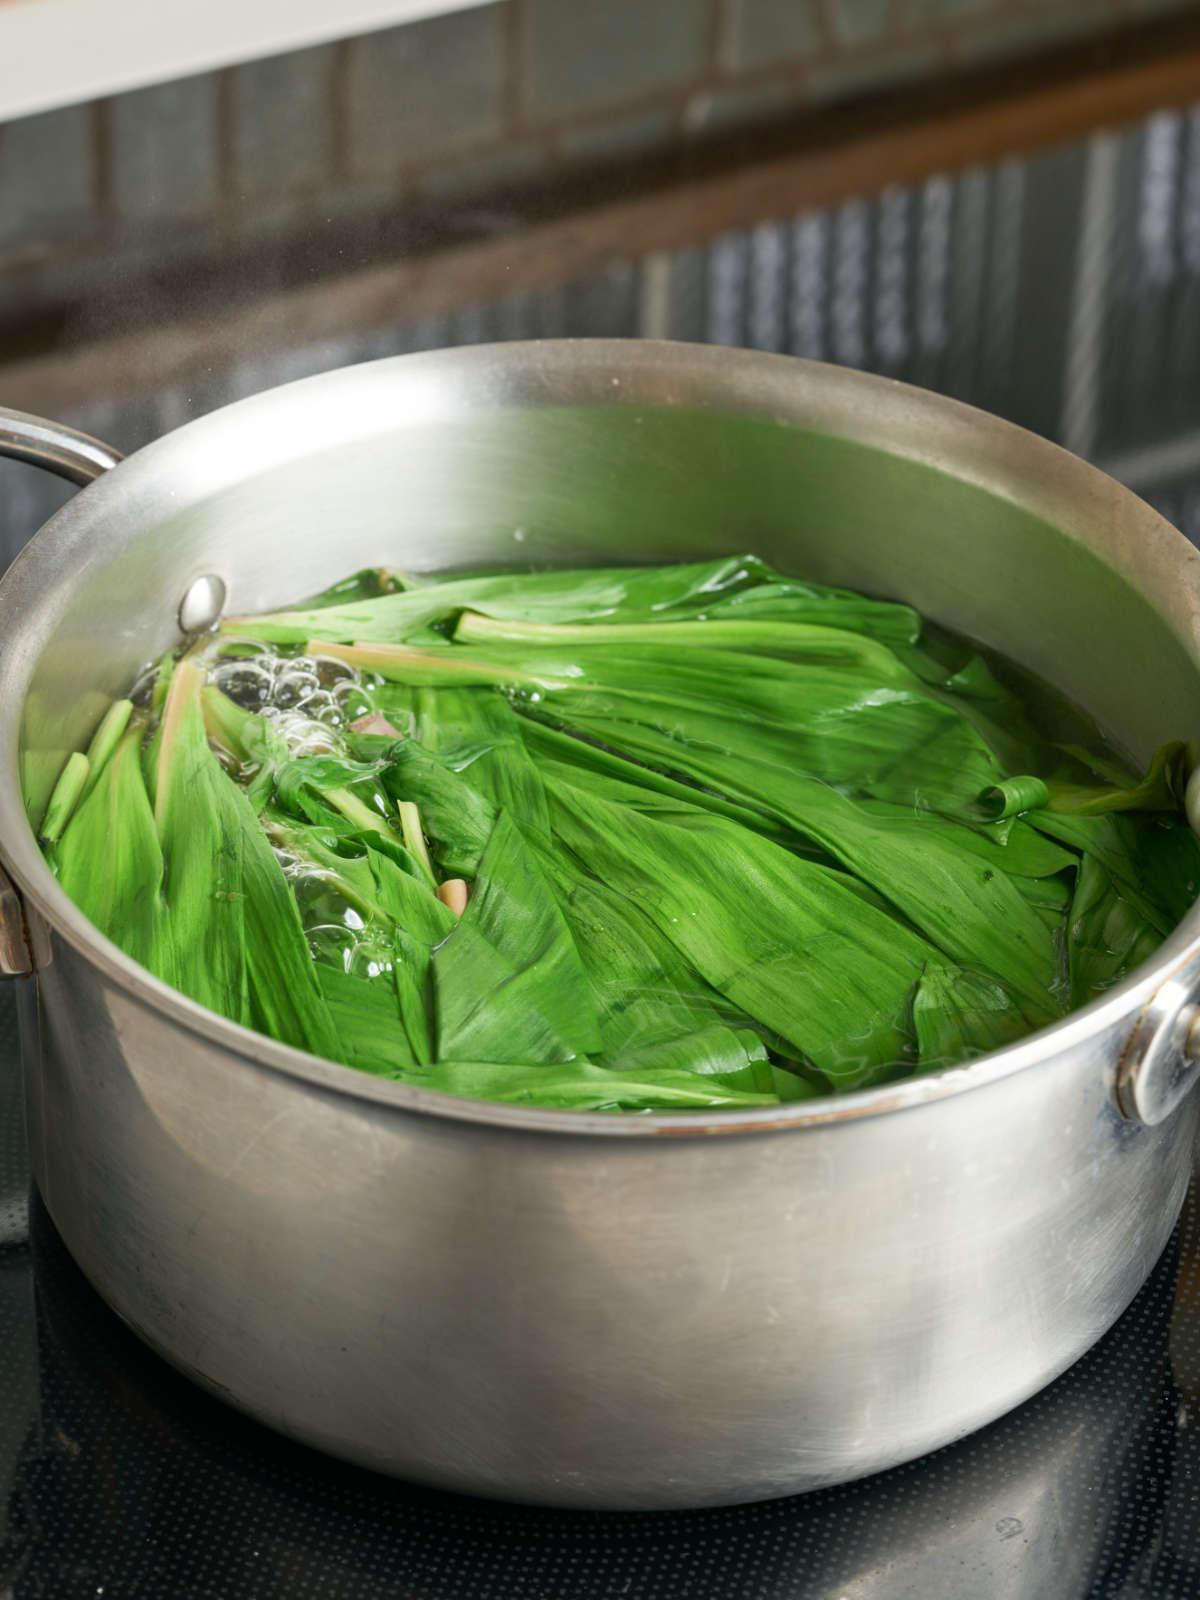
(509, 93)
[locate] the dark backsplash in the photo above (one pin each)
(513, 92)
(1060, 290)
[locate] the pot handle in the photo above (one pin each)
(65, 451)
(15, 959)
(79, 458)
(1161, 1062)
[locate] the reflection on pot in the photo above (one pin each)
(133, 1482)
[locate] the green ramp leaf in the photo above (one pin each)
(508, 982)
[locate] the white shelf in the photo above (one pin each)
(61, 52)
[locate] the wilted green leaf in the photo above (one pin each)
(508, 982)
(716, 837)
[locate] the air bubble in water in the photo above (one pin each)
(333, 673)
(249, 684)
(299, 693)
(306, 737)
(328, 939)
(368, 959)
(294, 687)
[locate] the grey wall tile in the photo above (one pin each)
(620, 136)
(426, 87)
(509, 164)
(717, 110)
(430, 332)
(515, 316)
(762, 32)
(604, 306)
(274, 213)
(1042, 28)
(473, 324)
(1051, 205)
(47, 176)
(687, 294)
(283, 122)
(577, 55)
(855, 76)
(165, 150)
(359, 197)
(919, 11)
(46, 265)
(861, 21)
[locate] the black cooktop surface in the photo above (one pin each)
(119, 1479)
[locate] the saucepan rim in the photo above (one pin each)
(165, 476)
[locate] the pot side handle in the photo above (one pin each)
(1160, 1064)
(80, 459)
(72, 455)
(15, 959)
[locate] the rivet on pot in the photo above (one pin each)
(202, 603)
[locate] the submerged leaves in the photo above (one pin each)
(631, 839)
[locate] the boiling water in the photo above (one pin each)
(310, 701)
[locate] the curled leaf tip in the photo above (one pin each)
(1013, 796)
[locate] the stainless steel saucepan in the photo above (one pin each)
(580, 1309)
